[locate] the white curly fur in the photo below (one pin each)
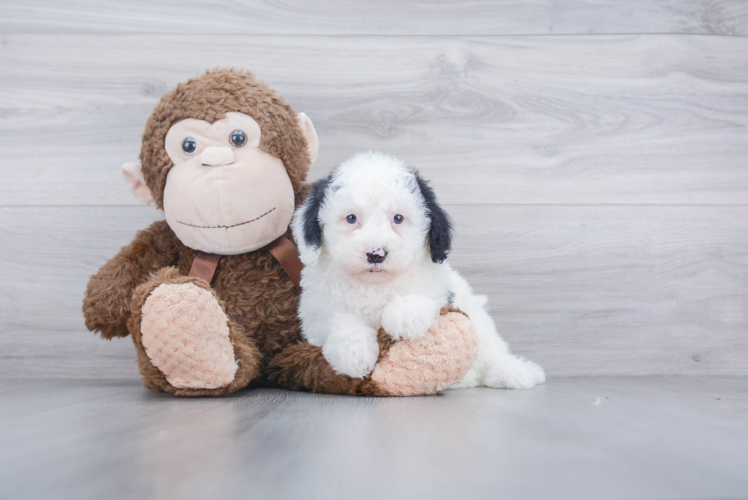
(345, 299)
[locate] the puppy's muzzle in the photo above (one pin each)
(376, 255)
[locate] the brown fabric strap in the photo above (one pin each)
(287, 255)
(285, 252)
(204, 265)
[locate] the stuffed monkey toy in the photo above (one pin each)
(209, 295)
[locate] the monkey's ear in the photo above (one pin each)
(134, 177)
(306, 226)
(440, 228)
(307, 127)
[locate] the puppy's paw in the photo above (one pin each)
(409, 317)
(352, 349)
(512, 372)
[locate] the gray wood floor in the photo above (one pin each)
(578, 438)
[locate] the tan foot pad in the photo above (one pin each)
(186, 335)
(431, 364)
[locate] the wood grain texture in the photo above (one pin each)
(594, 290)
(599, 179)
(591, 438)
(498, 120)
(389, 17)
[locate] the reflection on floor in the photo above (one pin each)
(597, 438)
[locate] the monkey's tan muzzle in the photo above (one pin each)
(217, 156)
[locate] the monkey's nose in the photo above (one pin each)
(217, 156)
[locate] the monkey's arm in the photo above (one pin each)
(106, 305)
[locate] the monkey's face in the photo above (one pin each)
(224, 195)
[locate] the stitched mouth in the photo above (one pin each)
(228, 227)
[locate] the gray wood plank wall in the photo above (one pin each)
(596, 166)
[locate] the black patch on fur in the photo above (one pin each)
(440, 229)
(312, 229)
(451, 298)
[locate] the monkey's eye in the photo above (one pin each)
(351, 219)
(189, 145)
(398, 219)
(237, 138)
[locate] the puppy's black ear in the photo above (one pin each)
(440, 230)
(311, 229)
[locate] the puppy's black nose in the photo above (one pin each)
(376, 256)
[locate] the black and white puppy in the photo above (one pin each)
(374, 242)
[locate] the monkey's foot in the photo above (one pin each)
(432, 363)
(186, 335)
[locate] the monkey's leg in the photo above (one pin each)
(186, 344)
(424, 366)
(430, 364)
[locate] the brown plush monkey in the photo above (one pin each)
(210, 294)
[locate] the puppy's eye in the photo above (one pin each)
(351, 219)
(238, 138)
(398, 219)
(189, 145)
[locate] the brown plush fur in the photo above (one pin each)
(245, 350)
(252, 288)
(254, 291)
